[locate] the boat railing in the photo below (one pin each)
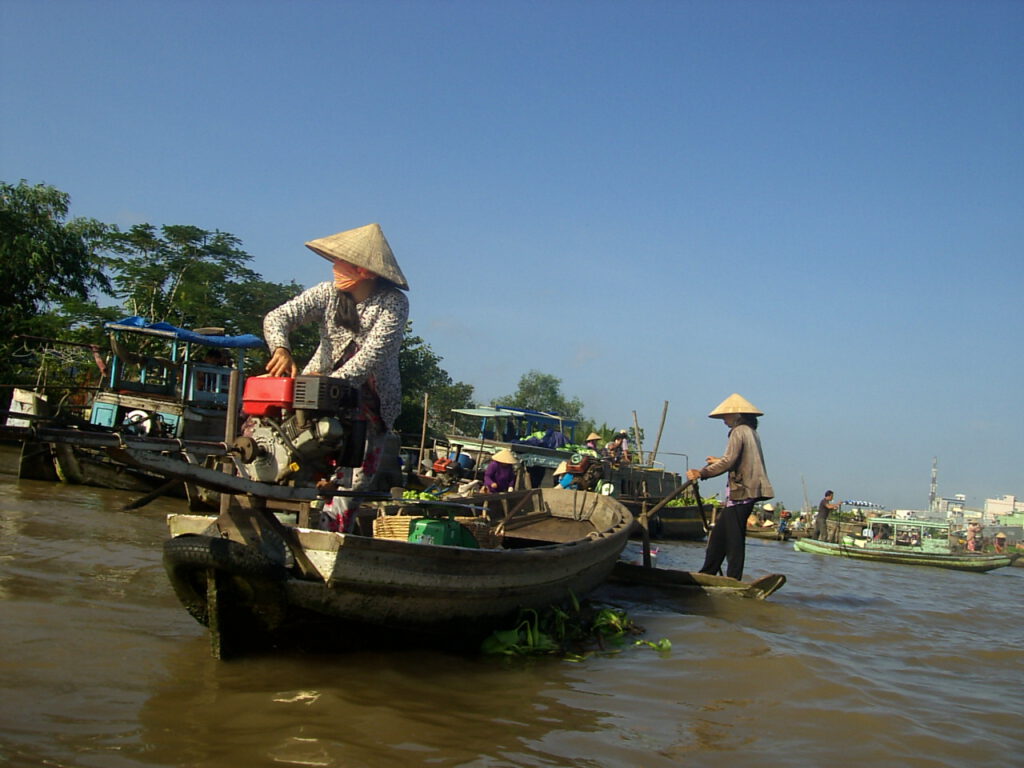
(207, 384)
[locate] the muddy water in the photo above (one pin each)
(851, 663)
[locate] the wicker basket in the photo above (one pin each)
(482, 532)
(393, 526)
(397, 527)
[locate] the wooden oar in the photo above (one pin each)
(646, 515)
(152, 495)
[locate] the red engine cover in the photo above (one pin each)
(263, 393)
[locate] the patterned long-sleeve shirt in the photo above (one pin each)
(382, 320)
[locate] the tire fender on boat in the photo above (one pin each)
(257, 582)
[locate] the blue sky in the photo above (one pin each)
(815, 204)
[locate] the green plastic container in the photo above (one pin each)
(446, 532)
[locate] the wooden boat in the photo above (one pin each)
(173, 394)
(247, 575)
(679, 522)
(770, 532)
(907, 542)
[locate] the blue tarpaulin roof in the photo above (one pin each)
(136, 324)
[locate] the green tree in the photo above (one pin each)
(44, 258)
(542, 392)
(422, 374)
(187, 276)
(180, 274)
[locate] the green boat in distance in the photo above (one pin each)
(907, 542)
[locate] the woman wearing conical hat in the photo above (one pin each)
(361, 316)
(500, 472)
(748, 484)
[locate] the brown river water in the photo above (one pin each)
(849, 664)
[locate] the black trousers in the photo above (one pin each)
(728, 540)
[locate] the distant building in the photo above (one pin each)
(1004, 505)
(946, 507)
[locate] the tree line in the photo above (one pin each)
(62, 278)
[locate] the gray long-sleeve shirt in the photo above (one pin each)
(744, 461)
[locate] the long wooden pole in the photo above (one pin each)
(230, 431)
(661, 428)
(423, 433)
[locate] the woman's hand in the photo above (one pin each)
(693, 474)
(281, 363)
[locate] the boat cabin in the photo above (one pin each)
(918, 535)
(167, 381)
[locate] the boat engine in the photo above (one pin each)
(299, 429)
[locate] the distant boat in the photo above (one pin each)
(907, 542)
(169, 391)
(542, 441)
(768, 532)
(680, 522)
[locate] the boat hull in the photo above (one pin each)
(770, 533)
(683, 582)
(679, 523)
(959, 562)
(354, 583)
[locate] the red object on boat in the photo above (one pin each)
(443, 465)
(263, 393)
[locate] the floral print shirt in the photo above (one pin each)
(382, 320)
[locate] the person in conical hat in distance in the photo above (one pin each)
(500, 473)
(593, 442)
(361, 316)
(748, 483)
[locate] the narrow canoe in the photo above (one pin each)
(692, 581)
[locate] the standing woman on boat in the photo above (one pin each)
(361, 316)
(748, 484)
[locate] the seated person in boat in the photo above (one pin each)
(563, 477)
(361, 316)
(500, 473)
(593, 443)
(617, 448)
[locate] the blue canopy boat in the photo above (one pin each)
(168, 388)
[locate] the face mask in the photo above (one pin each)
(346, 275)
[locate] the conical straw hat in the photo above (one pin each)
(593, 436)
(735, 404)
(505, 456)
(364, 247)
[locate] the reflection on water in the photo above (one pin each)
(850, 662)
